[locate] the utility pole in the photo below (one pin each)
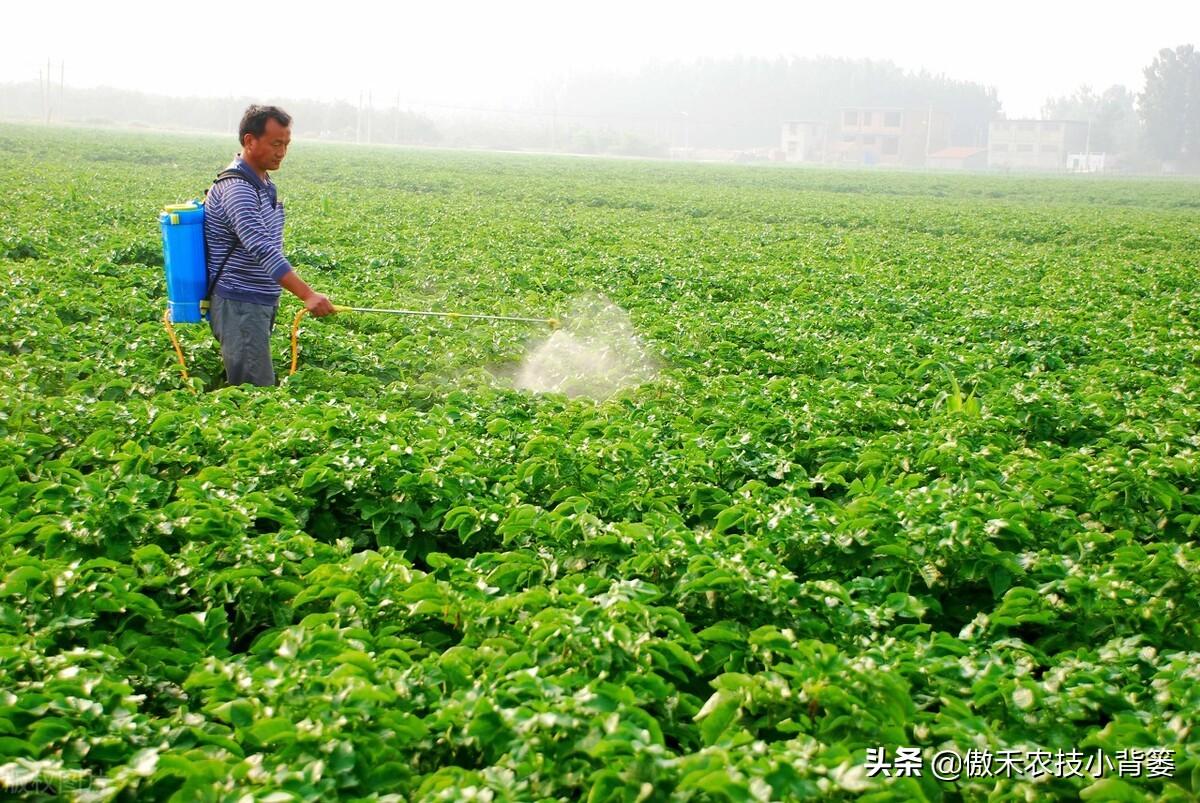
(370, 111)
(45, 93)
(554, 123)
(396, 133)
(928, 132)
(1087, 147)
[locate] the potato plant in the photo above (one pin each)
(919, 470)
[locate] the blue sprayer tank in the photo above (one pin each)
(183, 260)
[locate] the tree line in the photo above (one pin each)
(335, 120)
(1160, 122)
(737, 103)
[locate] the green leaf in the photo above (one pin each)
(239, 713)
(732, 517)
(716, 716)
(272, 731)
(49, 730)
(19, 580)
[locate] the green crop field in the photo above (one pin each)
(917, 477)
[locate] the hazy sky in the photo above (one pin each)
(491, 53)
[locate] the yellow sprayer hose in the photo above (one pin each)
(178, 349)
(296, 339)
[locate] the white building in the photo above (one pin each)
(1035, 144)
(1089, 162)
(805, 140)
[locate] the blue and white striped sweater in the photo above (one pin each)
(245, 217)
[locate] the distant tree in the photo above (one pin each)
(1170, 105)
(1113, 117)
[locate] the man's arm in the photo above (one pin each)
(241, 205)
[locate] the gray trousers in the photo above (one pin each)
(244, 331)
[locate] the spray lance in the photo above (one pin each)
(553, 323)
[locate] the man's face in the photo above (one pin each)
(267, 152)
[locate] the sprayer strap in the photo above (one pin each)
(212, 285)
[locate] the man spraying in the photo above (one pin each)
(243, 229)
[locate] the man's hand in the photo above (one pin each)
(318, 304)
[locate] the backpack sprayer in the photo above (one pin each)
(185, 264)
(183, 260)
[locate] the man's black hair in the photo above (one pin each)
(254, 121)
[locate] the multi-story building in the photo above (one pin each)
(1035, 144)
(888, 136)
